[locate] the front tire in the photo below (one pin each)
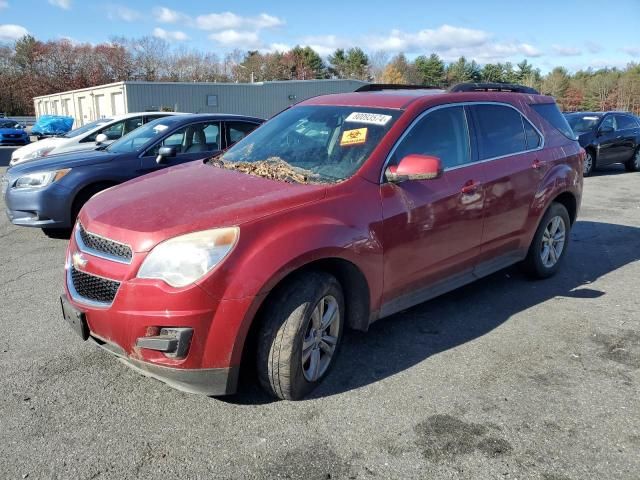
(301, 335)
(550, 242)
(633, 165)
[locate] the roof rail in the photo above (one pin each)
(493, 87)
(376, 87)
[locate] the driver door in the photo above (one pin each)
(432, 229)
(195, 141)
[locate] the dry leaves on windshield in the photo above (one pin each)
(274, 169)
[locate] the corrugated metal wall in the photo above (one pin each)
(257, 99)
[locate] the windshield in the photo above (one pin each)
(135, 140)
(8, 124)
(581, 123)
(311, 144)
(87, 128)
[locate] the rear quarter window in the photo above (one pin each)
(551, 113)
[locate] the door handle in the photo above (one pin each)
(470, 187)
(537, 164)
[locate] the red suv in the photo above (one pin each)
(337, 212)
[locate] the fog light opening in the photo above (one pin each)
(174, 342)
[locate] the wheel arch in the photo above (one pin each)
(93, 186)
(354, 287)
(569, 201)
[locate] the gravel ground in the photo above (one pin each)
(505, 378)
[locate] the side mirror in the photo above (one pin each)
(165, 152)
(415, 167)
(101, 138)
(605, 130)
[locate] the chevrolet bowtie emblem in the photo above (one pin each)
(79, 260)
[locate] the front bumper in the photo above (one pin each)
(140, 307)
(203, 381)
(43, 207)
(14, 141)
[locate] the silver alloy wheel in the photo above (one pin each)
(636, 160)
(588, 164)
(553, 240)
(320, 341)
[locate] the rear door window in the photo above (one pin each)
(500, 131)
(131, 124)
(625, 123)
(236, 131)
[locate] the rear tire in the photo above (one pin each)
(633, 165)
(589, 164)
(550, 242)
(301, 335)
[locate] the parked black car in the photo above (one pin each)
(608, 137)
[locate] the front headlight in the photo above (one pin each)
(40, 179)
(182, 260)
(41, 152)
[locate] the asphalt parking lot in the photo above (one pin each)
(505, 378)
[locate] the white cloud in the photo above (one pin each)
(448, 41)
(565, 51)
(632, 50)
(4, 4)
(64, 4)
(235, 38)
(120, 12)
(166, 15)
(278, 47)
(172, 36)
(231, 21)
(444, 37)
(326, 44)
(9, 32)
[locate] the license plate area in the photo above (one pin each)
(75, 318)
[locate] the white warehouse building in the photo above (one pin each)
(260, 99)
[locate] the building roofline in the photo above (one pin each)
(66, 92)
(235, 84)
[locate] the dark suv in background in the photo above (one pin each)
(607, 137)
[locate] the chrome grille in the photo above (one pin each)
(103, 245)
(96, 289)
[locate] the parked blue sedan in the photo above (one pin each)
(12, 133)
(48, 193)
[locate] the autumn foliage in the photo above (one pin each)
(30, 68)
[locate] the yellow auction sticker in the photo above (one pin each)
(353, 137)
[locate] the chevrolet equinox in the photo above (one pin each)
(337, 212)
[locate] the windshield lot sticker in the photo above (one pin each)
(372, 118)
(160, 128)
(353, 137)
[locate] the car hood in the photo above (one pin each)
(188, 198)
(32, 147)
(64, 160)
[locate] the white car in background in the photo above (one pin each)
(100, 132)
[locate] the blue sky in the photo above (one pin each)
(571, 33)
